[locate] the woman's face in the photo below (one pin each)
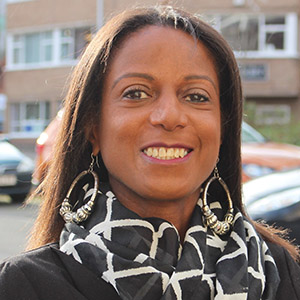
(159, 127)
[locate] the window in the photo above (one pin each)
(17, 49)
(73, 41)
(47, 48)
(260, 35)
(32, 48)
(30, 118)
(240, 31)
(273, 114)
(254, 72)
(274, 27)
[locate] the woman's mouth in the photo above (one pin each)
(165, 153)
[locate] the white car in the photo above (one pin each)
(275, 198)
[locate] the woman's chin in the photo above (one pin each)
(170, 192)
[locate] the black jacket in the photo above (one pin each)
(48, 274)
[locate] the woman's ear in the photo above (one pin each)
(92, 136)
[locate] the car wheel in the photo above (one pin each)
(18, 198)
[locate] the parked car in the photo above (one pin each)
(275, 198)
(259, 156)
(15, 172)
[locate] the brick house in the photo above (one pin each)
(44, 40)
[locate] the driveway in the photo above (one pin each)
(16, 222)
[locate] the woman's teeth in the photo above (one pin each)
(165, 153)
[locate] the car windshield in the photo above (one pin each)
(250, 135)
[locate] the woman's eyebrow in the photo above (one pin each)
(192, 77)
(127, 75)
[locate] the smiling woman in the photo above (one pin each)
(158, 125)
(153, 113)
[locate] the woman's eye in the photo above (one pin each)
(135, 95)
(196, 98)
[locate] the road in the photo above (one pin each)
(15, 224)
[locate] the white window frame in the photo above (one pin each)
(290, 30)
(56, 60)
(11, 65)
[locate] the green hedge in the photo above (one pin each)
(287, 133)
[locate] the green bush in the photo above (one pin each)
(286, 133)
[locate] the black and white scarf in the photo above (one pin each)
(144, 259)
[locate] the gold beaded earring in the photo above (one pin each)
(211, 220)
(82, 213)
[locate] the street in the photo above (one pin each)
(15, 224)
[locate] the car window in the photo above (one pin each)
(250, 135)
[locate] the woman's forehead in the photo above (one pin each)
(154, 45)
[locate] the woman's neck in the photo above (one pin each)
(176, 211)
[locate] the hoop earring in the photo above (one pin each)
(211, 220)
(82, 213)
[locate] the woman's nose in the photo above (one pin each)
(168, 113)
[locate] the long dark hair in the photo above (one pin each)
(83, 101)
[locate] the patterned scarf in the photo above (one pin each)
(144, 259)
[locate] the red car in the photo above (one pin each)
(259, 156)
(44, 146)
(262, 157)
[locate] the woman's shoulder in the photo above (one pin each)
(31, 274)
(34, 258)
(47, 273)
(289, 272)
(33, 265)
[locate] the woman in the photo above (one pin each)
(154, 109)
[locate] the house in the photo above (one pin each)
(45, 39)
